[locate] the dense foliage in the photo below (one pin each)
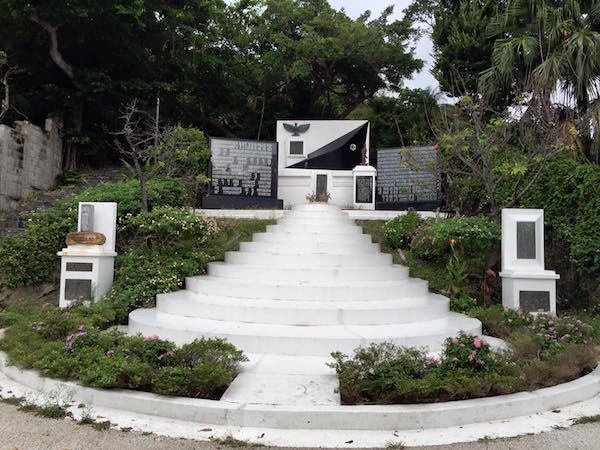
(227, 68)
(545, 350)
(30, 257)
(400, 231)
(80, 343)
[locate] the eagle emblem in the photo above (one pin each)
(296, 129)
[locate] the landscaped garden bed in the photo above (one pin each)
(157, 250)
(457, 256)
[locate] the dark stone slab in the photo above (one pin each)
(78, 290)
(526, 240)
(406, 178)
(237, 202)
(532, 301)
(364, 189)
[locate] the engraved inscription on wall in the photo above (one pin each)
(364, 189)
(243, 168)
(407, 175)
(525, 240)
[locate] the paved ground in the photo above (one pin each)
(24, 431)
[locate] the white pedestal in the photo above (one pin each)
(364, 187)
(86, 273)
(526, 284)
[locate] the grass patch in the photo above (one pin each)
(47, 411)
(230, 441)
(587, 419)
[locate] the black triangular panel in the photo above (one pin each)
(338, 154)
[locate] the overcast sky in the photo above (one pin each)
(424, 48)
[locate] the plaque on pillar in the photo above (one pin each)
(526, 284)
(87, 263)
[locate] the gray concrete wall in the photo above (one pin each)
(30, 159)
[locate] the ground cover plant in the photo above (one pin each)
(543, 351)
(157, 250)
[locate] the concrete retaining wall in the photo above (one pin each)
(30, 159)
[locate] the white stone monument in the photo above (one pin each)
(364, 187)
(87, 264)
(526, 284)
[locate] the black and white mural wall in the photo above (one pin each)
(319, 155)
(407, 177)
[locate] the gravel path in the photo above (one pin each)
(24, 431)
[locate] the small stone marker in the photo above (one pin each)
(87, 264)
(526, 284)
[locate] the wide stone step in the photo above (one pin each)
(307, 247)
(334, 238)
(299, 340)
(308, 259)
(325, 291)
(301, 228)
(189, 304)
(306, 274)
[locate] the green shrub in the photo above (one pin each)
(568, 193)
(467, 352)
(29, 258)
(165, 224)
(400, 231)
(475, 237)
(172, 380)
(463, 304)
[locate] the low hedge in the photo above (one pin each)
(67, 346)
(475, 238)
(545, 351)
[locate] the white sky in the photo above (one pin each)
(424, 48)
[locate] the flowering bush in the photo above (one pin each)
(400, 230)
(165, 224)
(466, 351)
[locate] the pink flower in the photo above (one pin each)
(454, 340)
(81, 327)
(161, 357)
(484, 343)
(477, 343)
(110, 353)
(472, 356)
(170, 353)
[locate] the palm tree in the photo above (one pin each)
(549, 46)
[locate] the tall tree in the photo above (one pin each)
(462, 46)
(310, 60)
(549, 43)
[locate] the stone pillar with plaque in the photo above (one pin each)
(526, 284)
(364, 187)
(87, 264)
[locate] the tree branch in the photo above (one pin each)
(55, 54)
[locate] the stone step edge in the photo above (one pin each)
(150, 317)
(336, 417)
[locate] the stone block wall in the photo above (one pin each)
(30, 159)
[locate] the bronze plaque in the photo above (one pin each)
(86, 238)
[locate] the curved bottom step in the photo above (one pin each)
(300, 340)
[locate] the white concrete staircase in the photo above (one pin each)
(310, 285)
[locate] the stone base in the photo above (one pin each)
(240, 202)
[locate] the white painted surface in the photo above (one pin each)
(102, 257)
(321, 425)
(519, 274)
(274, 214)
